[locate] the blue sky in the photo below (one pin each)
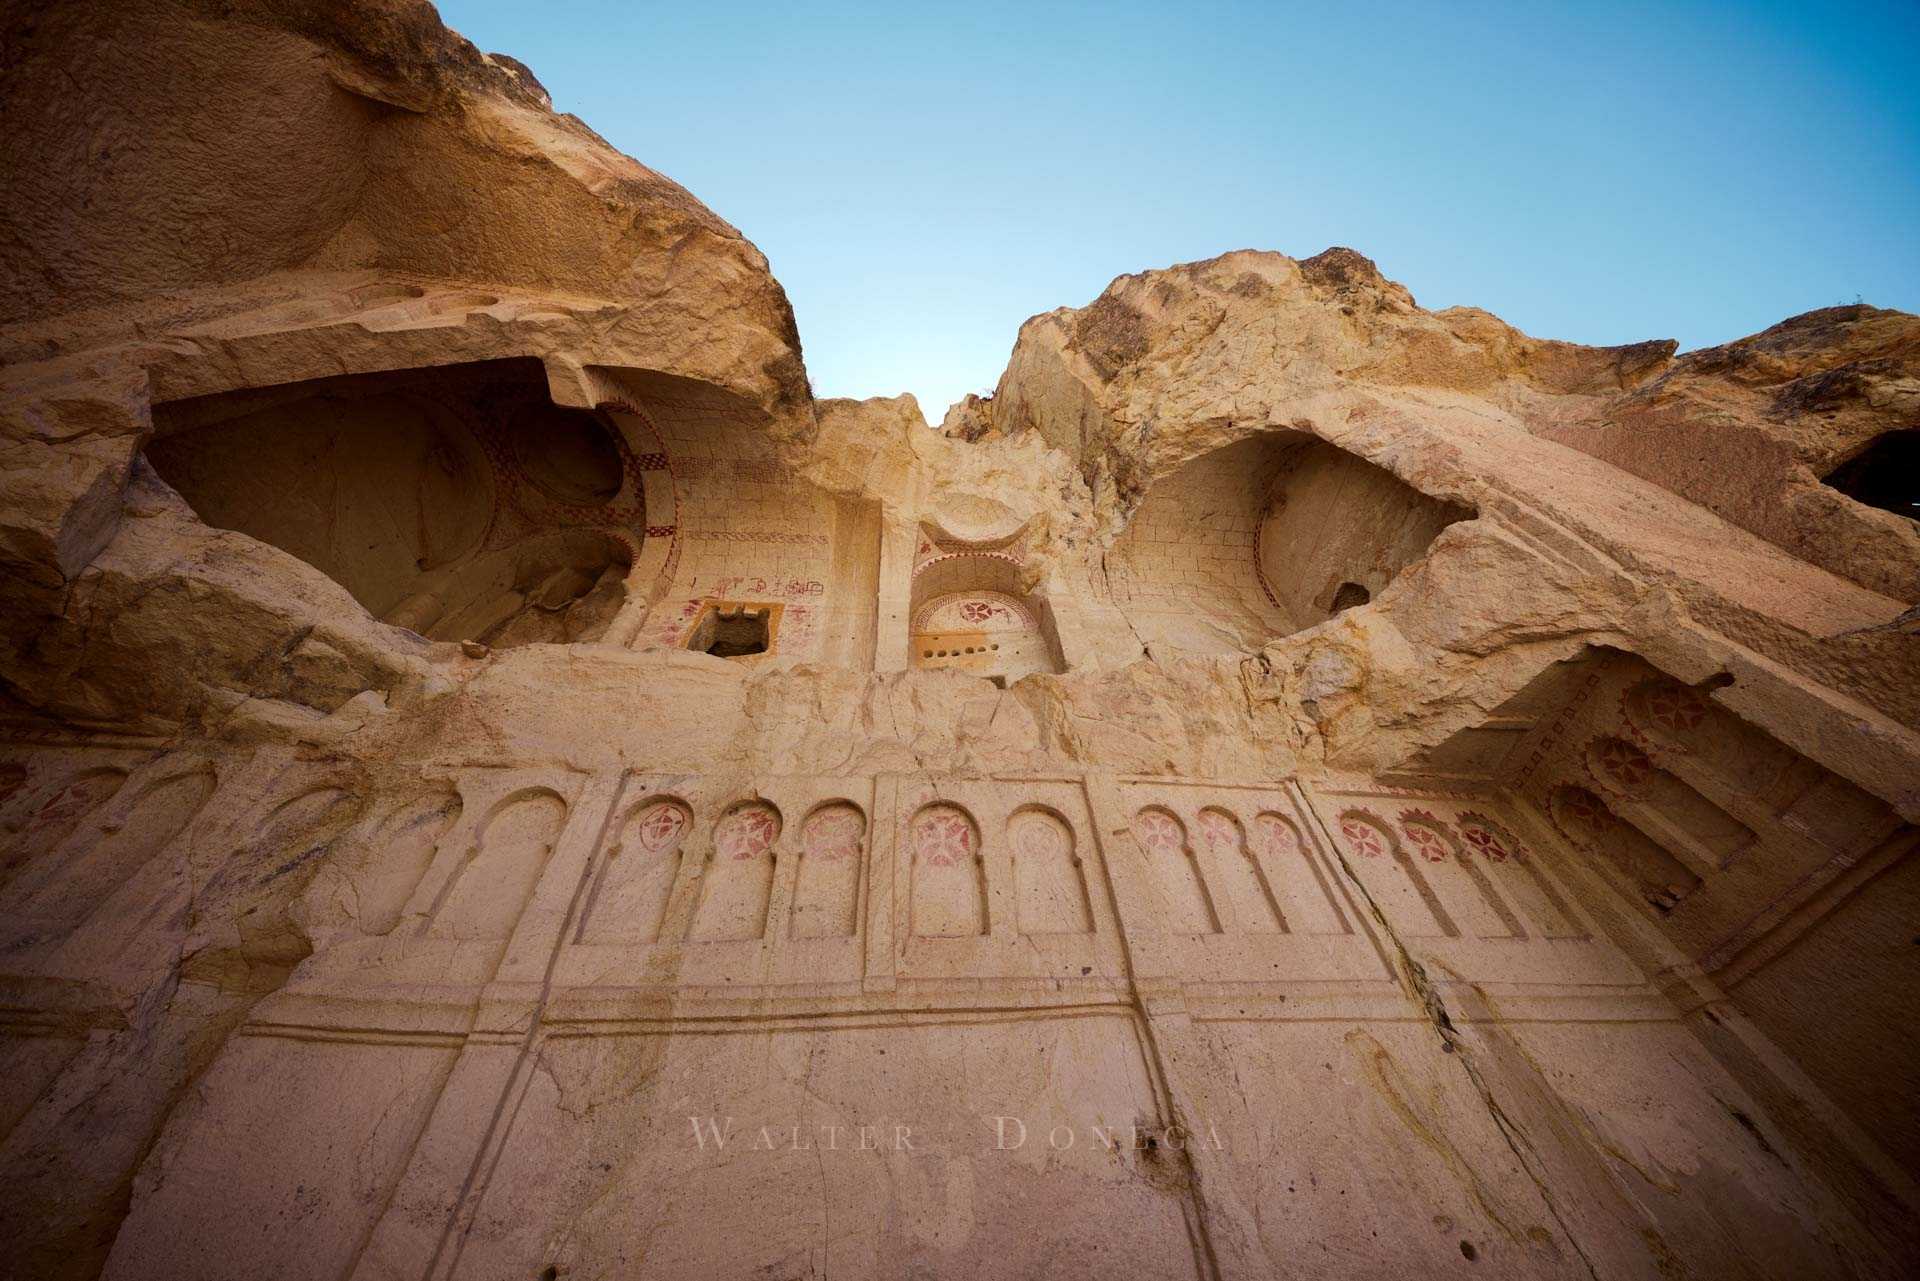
(924, 178)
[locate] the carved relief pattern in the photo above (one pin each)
(1038, 838)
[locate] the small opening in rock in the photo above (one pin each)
(1348, 595)
(1466, 1249)
(1886, 474)
(550, 1274)
(731, 632)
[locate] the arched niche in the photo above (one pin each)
(1462, 889)
(118, 844)
(1393, 877)
(1670, 812)
(294, 840)
(948, 890)
(37, 820)
(737, 887)
(1743, 769)
(1256, 907)
(969, 613)
(497, 877)
(1050, 885)
(1508, 863)
(1184, 892)
(628, 904)
(826, 893)
(1306, 902)
(1660, 879)
(394, 854)
(458, 502)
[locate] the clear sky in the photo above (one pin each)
(925, 177)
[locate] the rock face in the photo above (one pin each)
(498, 781)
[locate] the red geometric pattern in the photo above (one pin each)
(1363, 836)
(1159, 831)
(834, 833)
(1219, 830)
(1424, 838)
(1277, 836)
(747, 832)
(1580, 806)
(1489, 840)
(1620, 763)
(661, 826)
(1672, 706)
(943, 835)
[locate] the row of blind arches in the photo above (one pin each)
(1261, 882)
(734, 880)
(730, 885)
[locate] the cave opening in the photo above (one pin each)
(1886, 474)
(1264, 537)
(458, 502)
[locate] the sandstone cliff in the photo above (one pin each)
(467, 703)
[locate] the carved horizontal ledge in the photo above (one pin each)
(1516, 1003)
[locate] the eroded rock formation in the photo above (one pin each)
(1344, 786)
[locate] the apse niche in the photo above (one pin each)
(1263, 537)
(459, 502)
(968, 612)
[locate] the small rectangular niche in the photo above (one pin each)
(735, 629)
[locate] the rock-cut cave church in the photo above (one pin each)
(497, 780)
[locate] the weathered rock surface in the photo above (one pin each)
(1444, 799)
